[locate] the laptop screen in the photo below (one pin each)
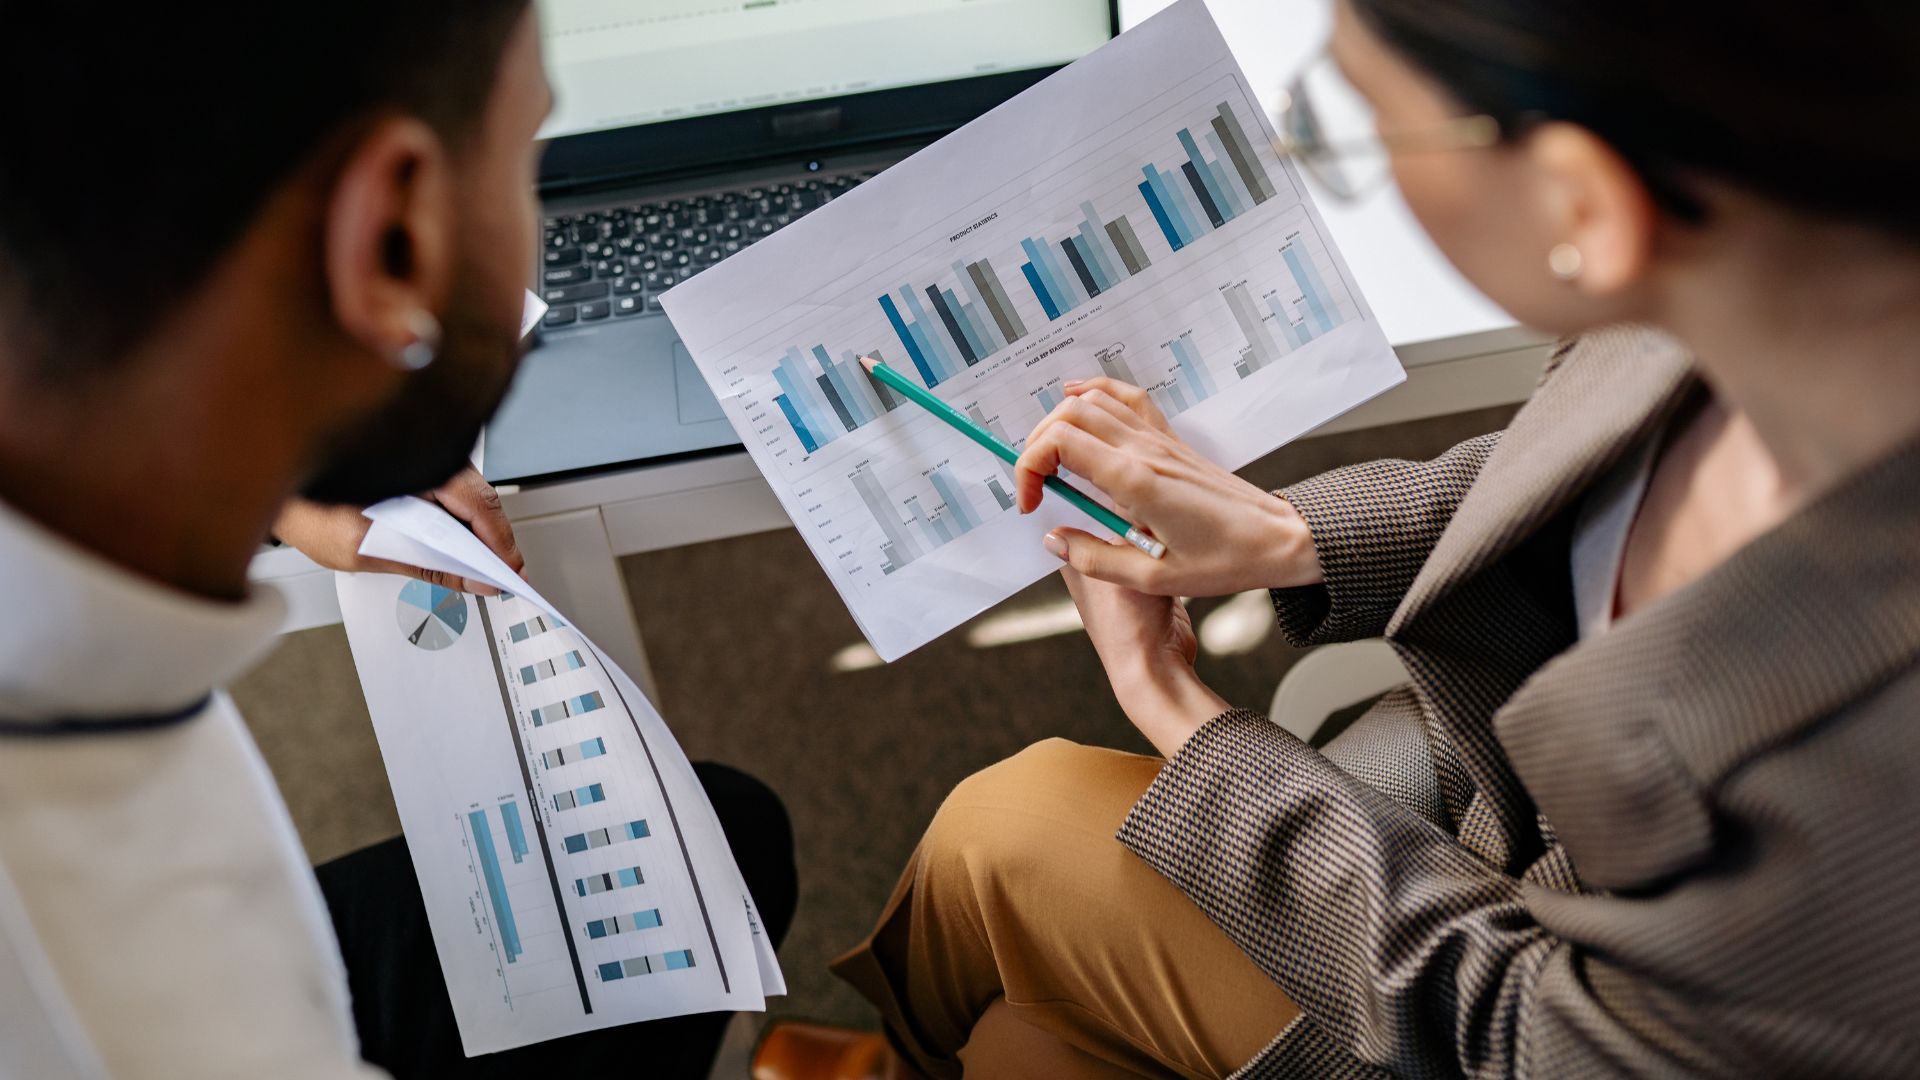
(620, 63)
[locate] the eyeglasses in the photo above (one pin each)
(1328, 126)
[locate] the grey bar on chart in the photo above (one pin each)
(992, 300)
(1133, 241)
(1248, 316)
(1230, 177)
(999, 294)
(884, 513)
(1120, 244)
(886, 395)
(833, 399)
(1244, 158)
(1116, 368)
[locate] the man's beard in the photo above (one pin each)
(418, 441)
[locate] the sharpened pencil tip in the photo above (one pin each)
(869, 362)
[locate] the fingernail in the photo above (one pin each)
(1056, 545)
(1071, 383)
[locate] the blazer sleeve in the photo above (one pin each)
(1409, 952)
(1373, 525)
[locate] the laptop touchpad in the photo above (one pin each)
(697, 404)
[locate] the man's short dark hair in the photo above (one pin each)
(143, 138)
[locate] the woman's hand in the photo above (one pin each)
(1223, 535)
(1147, 645)
(331, 535)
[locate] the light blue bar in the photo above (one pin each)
(1309, 284)
(646, 920)
(940, 529)
(824, 419)
(990, 330)
(516, 836)
(1103, 245)
(1296, 335)
(1321, 292)
(628, 877)
(793, 417)
(950, 364)
(856, 405)
(1189, 203)
(592, 748)
(967, 329)
(934, 539)
(851, 371)
(1036, 254)
(1179, 399)
(950, 491)
(679, 961)
(1175, 206)
(1196, 375)
(798, 403)
(1094, 254)
(1229, 177)
(982, 329)
(1063, 270)
(1207, 179)
(925, 341)
(496, 885)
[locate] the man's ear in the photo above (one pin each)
(1599, 205)
(388, 235)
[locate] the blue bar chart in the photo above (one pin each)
(569, 755)
(573, 706)
(580, 796)
(678, 960)
(1204, 192)
(1066, 273)
(956, 322)
(516, 834)
(913, 525)
(838, 398)
(547, 669)
(627, 877)
(482, 840)
(624, 924)
(599, 838)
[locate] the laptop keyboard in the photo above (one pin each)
(615, 263)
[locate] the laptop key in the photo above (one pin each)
(630, 305)
(629, 286)
(568, 294)
(598, 309)
(567, 275)
(562, 256)
(559, 316)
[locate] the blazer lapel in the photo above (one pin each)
(1621, 740)
(1611, 389)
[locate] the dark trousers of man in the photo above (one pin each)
(400, 1003)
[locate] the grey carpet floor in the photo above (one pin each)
(742, 635)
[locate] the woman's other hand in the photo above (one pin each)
(1223, 535)
(331, 535)
(1147, 644)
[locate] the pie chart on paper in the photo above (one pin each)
(431, 616)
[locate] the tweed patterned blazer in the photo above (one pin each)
(1687, 846)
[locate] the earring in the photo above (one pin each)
(1565, 261)
(426, 341)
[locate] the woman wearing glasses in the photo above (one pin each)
(1649, 805)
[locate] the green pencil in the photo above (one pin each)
(964, 424)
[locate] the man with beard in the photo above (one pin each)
(242, 256)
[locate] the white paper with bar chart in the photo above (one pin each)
(1127, 216)
(574, 873)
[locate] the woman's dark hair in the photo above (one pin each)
(1813, 107)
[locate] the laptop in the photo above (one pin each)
(686, 130)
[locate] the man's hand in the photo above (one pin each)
(331, 535)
